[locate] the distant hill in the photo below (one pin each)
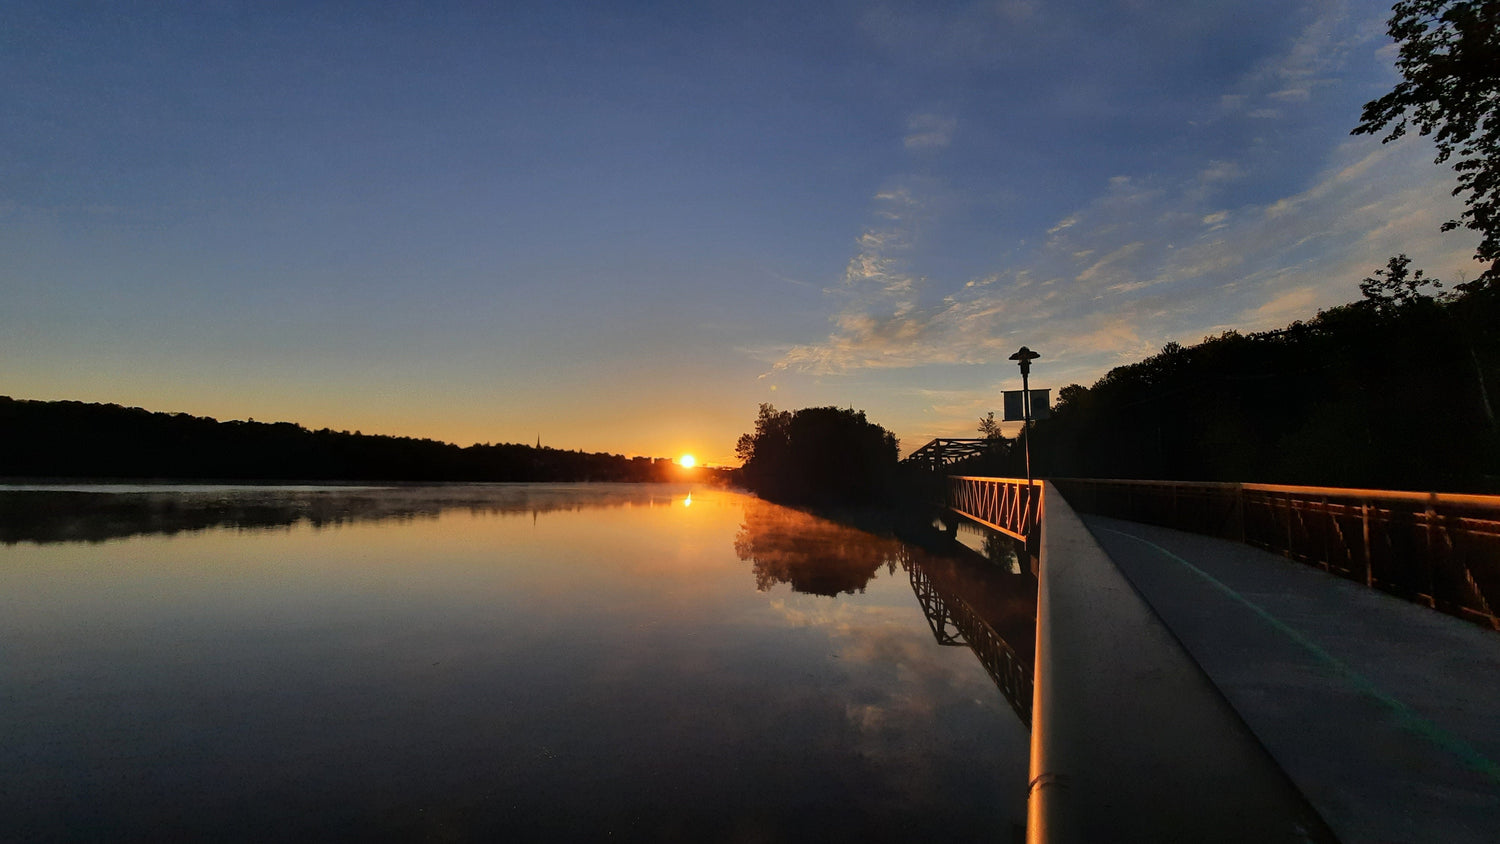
(69, 439)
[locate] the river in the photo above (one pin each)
(494, 662)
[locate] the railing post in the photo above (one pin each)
(1327, 545)
(1364, 518)
(1432, 577)
(1239, 511)
(1289, 546)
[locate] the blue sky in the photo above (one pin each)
(622, 226)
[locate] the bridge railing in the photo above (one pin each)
(1009, 505)
(1440, 550)
(1130, 740)
(945, 451)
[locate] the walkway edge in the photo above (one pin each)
(1130, 740)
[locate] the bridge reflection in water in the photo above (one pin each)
(968, 580)
(973, 602)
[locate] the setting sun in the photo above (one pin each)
(687, 461)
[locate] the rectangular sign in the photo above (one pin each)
(1041, 403)
(1015, 411)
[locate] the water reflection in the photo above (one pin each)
(606, 673)
(971, 601)
(968, 580)
(999, 549)
(812, 554)
(102, 512)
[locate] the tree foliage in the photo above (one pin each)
(1450, 90)
(818, 455)
(69, 439)
(990, 429)
(1389, 392)
(1397, 286)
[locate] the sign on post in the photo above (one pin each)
(1015, 406)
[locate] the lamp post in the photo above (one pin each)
(1024, 357)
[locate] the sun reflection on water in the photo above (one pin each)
(348, 638)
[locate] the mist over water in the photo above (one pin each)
(522, 662)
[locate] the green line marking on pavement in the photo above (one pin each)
(1411, 720)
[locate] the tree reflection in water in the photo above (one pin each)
(974, 593)
(812, 554)
(101, 512)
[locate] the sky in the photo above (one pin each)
(621, 226)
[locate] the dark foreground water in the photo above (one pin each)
(495, 663)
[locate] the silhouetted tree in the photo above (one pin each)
(1450, 89)
(818, 455)
(989, 428)
(1397, 285)
(765, 453)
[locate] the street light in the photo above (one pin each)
(1024, 357)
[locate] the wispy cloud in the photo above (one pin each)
(1135, 267)
(1252, 236)
(1310, 62)
(1065, 223)
(1292, 304)
(929, 131)
(1102, 266)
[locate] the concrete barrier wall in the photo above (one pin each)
(1130, 741)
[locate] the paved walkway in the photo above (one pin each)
(1385, 714)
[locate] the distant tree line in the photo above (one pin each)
(1395, 391)
(69, 439)
(818, 456)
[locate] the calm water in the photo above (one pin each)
(509, 662)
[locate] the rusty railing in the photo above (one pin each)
(1009, 505)
(1439, 550)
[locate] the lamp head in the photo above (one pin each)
(1024, 357)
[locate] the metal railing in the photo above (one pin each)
(1439, 550)
(1009, 505)
(1130, 740)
